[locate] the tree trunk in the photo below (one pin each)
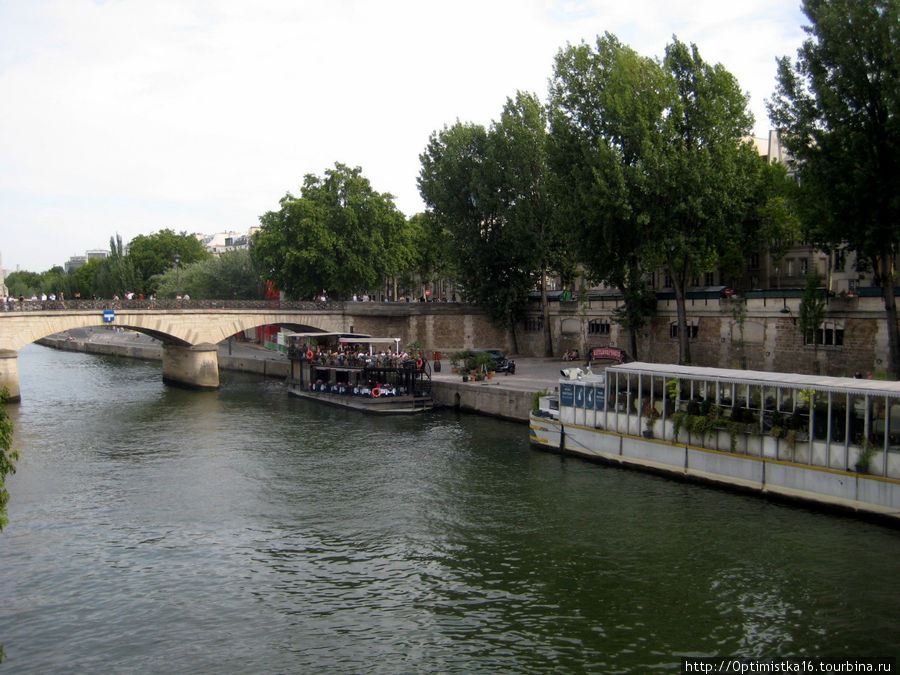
(632, 342)
(890, 309)
(679, 282)
(515, 340)
(545, 312)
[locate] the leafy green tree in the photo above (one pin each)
(83, 278)
(153, 254)
(340, 236)
(23, 283)
(7, 456)
(230, 276)
(57, 282)
(702, 175)
(115, 275)
(837, 108)
(812, 312)
(430, 253)
(495, 258)
(520, 148)
(608, 106)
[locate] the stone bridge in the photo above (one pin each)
(190, 330)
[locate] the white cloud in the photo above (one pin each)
(134, 115)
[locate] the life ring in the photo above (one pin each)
(310, 355)
(376, 392)
(419, 364)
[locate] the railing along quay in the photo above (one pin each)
(167, 304)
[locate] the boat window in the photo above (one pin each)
(857, 419)
(838, 419)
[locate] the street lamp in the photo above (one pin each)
(177, 276)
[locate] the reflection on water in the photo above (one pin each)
(156, 529)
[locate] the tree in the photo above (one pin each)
(115, 275)
(812, 312)
(340, 236)
(494, 255)
(837, 109)
(701, 176)
(83, 278)
(7, 456)
(607, 108)
(57, 282)
(520, 148)
(230, 276)
(22, 283)
(153, 254)
(431, 253)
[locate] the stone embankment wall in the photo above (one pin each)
(496, 401)
(756, 334)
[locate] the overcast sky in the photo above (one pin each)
(130, 116)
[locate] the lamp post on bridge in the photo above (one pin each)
(177, 276)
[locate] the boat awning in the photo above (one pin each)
(370, 340)
(840, 385)
(350, 336)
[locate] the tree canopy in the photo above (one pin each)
(153, 254)
(490, 190)
(339, 237)
(837, 109)
(652, 165)
(607, 107)
(229, 276)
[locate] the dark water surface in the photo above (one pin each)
(159, 530)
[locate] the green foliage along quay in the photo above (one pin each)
(7, 456)
(491, 190)
(339, 237)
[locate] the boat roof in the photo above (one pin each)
(292, 334)
(844, 385)
(370, 340)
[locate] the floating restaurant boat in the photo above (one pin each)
(829, 440)
(349, 373)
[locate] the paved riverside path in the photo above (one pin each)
(532, 374)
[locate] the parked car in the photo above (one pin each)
(501, 363)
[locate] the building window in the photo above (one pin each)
(830, 334)
(534, 324)
(692, 329)
(598, 327)
(804, 267)
(754, 261)
(789, 267)
(668, 282)
(709, 279)
(840, 260)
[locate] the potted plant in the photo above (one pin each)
(865, 456)
(650, 415)
(457, 359)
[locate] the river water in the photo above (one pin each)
(154, 529)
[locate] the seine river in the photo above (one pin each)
(159, 530)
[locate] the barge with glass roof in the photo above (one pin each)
(829, 440)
